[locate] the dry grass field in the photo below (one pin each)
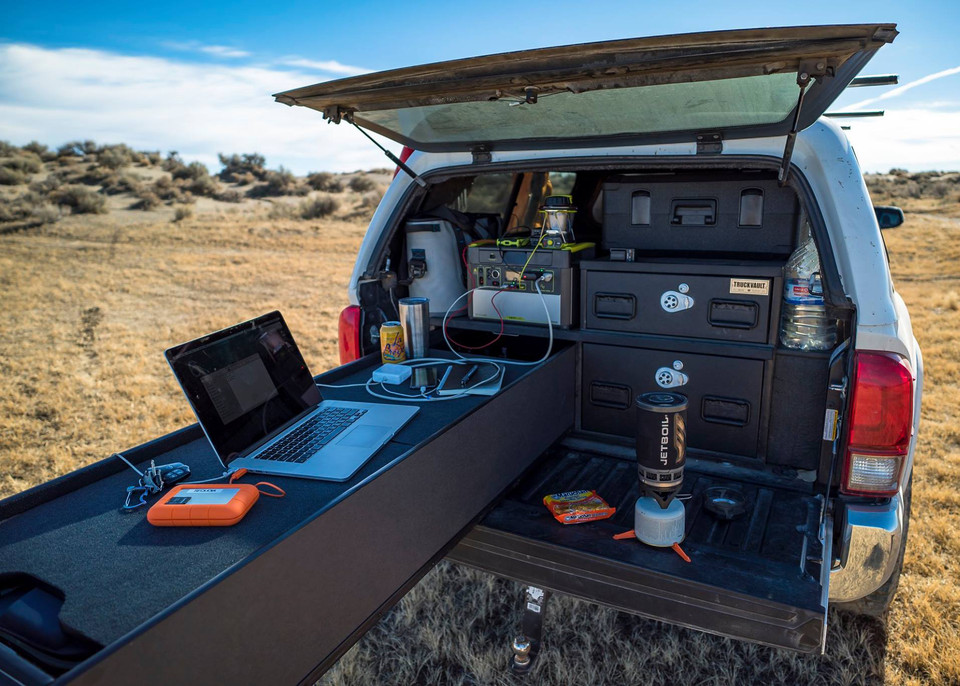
(90, 306)
(90, 302)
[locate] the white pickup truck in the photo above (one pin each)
(602, 221)
(695, 162)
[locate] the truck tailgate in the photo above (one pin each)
(752, 578)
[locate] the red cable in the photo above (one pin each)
(463, 256)
(466, 267)
(485, 345)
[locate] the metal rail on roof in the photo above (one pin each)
(856, 114)
(877, 80)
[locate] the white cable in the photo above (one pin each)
(226, 475)
(129, 464)
(395, 396)
(546, 310)
(422, 397)
(462, 359)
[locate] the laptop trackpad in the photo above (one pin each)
(364, 435)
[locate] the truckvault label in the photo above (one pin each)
(750, 286)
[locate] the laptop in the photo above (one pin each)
(260, 408)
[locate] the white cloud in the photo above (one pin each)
(150, 103)
(215, 50)
(330, 66)
(916, 139)
(223, 51)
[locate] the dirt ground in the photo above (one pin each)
(90, 302)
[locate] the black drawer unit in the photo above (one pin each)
(730, 302)
(683, 213)
(724, 393)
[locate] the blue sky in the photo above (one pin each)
(196, 77)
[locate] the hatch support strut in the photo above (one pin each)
(393, 158)
(803, 80)
(806, 71)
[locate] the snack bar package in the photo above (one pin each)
(576, 507)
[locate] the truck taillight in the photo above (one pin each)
(404, 156)
(881, 422)
(348, 332)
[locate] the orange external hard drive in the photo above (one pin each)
(204, 505)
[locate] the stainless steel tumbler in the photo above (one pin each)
(415, 320)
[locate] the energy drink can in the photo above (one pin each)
(391, 343)
(661, 444)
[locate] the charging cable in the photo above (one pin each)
(276, 491)
(543, 234)
(422, 396)
(388, 394)
(380, 390)
(225, 475)
(496, 360)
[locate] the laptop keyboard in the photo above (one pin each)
(301, 443)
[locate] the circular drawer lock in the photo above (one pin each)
(675, 301)
(670, 378)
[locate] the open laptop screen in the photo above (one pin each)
(244, 382)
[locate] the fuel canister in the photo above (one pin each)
(661, 444)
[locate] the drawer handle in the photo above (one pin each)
(612, 395)
(614, 305)
(734, 314)
(730, 411)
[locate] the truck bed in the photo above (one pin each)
(745, 578)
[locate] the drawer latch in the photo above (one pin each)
(676, 301)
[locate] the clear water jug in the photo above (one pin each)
(803, 321)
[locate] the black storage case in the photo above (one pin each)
(735, 301)
(725, 394)
(710, 213)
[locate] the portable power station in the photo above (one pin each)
(509, 275)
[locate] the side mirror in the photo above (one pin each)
(888, 216)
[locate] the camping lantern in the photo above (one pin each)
(557, 228)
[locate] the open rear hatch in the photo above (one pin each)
(744, 83)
